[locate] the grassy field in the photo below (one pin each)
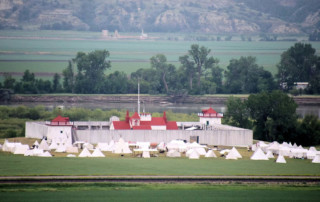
(114, 164)
(157, 192)
(41, 54)
(16, 165)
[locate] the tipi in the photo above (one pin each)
(210, 153)
(194, 154)
(281, 159)
(145, 154)
(122, 147)
(259, 155)
(232, 155)
(238, 155)
(270, 155)
(173, 153)
(97, 153)
(85, 153)
(316, 159)
(44, 145)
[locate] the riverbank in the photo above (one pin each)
(157, 99)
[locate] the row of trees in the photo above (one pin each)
(29, 84)
(273, 117)
(198, 73)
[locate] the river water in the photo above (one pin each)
(177, 108)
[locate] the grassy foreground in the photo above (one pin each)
(158, 192)
(113, 165)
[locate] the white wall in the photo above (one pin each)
(36, 129)
(211, 120)
(230, 136)
(60, 134)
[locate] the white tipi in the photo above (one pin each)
(97, 153)
(53, 144)
(238, 155)
(210, 153)
(194, 154)
(122, 147)
(270, 155)
(173, 153)
(44, 145)
(259, 155)
(45, 154)
(232, 155)
(36, 143)
(145, 154)
(281, 159)
(85, 153)
(316, 159)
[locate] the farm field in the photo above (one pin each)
(158, 192)
(48, 52)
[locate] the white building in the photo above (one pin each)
(210, 117)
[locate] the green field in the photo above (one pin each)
(18, 165)
(157, 192)
(51, 54)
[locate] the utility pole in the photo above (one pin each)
(139, 97)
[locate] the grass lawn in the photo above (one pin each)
(18, 165)
(114, 164)
(158, 192)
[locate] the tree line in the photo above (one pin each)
(198, 73)
(272, 116)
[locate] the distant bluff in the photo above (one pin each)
(205, 16)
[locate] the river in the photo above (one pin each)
(177, 108)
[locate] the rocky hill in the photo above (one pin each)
(203, 16)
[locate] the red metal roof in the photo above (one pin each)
(135, 116)
(60, 119)
(146, 125)
(158, 121)
(209, 111)
(172, 125)
(141, 127)
(121, 125)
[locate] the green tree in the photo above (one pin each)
(116, 82)
(188, 68)
(43, 86)
(201, 59)
(274, 116)
(297, 64)
(245, 76)
(159, 62)
(237, 113)
(28, 83)
(9, 81)
(91, 67)
(217, 77)
(309, 131)
(56, 86)
(69, 78)
(149, 81)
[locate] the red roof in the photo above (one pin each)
(158, 121)
(60, 119)
(209, 111)
(172, 125)
(145, 125)
(135, 116)
(121, 125)
(141, 127)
